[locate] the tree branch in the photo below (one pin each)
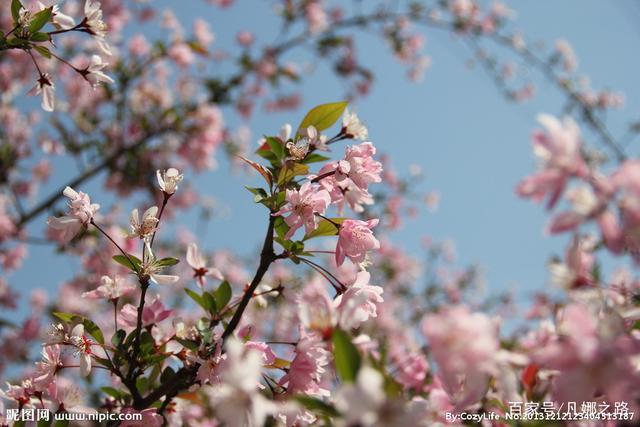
(267, 256)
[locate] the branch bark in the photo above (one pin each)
(186, 376)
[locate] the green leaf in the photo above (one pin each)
(199, 299)
(167, 262)
(260, 192)
(276, 147)
(89, 327)
(223, 295)
(93, 330)
(40, 37)
(124, 261)
(147, 343)
(43, 51)
(102, 361)
(291, 170)
(314, 158)
(281, 227)
(118, 338)
(317, 406)
(323, 116)
(142, 384)
(188, 344)
(15, 10)
(325, 228)
(40, 19)
(346, 356)
(209, 302)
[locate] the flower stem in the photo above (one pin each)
(164, 204)
(126, 255)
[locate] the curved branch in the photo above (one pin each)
(84, 176)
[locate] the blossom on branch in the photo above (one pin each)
(355, 240)
(80, 214)
(169, 179)
(304, 206)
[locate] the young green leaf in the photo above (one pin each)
(209, 302)
(124, 261)
(325, 228)
(40, 19)
(323, 116)
(276, 147)
(197, 298)
(290, 171)
(40, 37)
(43, 51)
(346, 356)
(188, 344)
(317, 406)
(89, 327)
(314, 158)
(167, 262)
(281, 227)
(16, 6)
(223, 295)
(118, 338)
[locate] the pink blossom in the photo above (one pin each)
(355, 239)
(207, 135)
(139, 46)
(67, 396)
(42, 170)
(7, 226)
(353, 127)
(464, 345)
(48, 367)
(359, 166)
(82, 348)
(558, 149)
(268, 356)
(81, 212)
(576, 269)
(202, 32)
(236, 398)
(359, 302)
(12, 258)
(412, 371)
(110, 289)
(153, 312)
(592, 356)
(316, 310)
(196, 261)
(245, 38)
(143, 228)
(316, 16)
(304, 204)
(307, 368)
(181, 54)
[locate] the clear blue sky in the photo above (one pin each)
(472, 145)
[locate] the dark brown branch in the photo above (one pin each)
(267, 256)
(89, 173)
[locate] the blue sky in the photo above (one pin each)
(472, 145)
